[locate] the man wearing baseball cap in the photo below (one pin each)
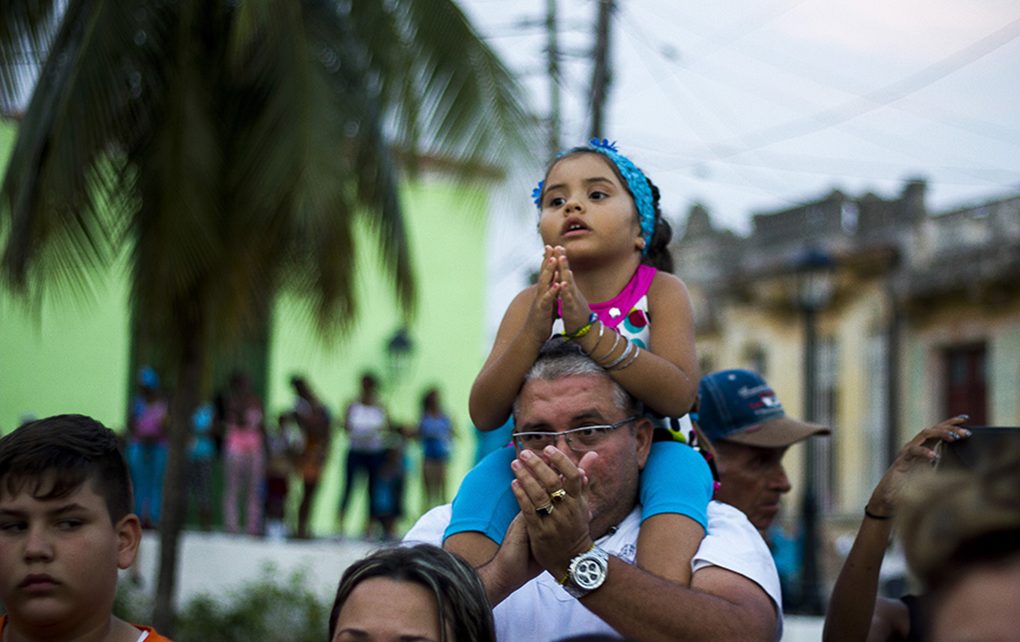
(743, 418)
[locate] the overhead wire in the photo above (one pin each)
(881, 96)
(718, 113)
(971, 127)
(890, 92)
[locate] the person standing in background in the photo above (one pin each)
(281, 448)
(388, 497)
(365, 423)
(743, 418)
(436, 432)
(313, 420)
(147, 445)
(245, 455)
(201, 457)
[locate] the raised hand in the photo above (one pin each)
(538, 324)
(559, 533)
(918, 451)
(575, 309)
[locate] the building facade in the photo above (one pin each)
(873, 316)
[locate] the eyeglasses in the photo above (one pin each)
(580, 440)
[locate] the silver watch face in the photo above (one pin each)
(589, 572)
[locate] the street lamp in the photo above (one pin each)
(813, 273)
(399, 351)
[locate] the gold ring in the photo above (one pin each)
(545, 511)
(558, 495)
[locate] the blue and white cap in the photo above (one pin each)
(740, 406)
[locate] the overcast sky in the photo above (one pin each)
(756, 105)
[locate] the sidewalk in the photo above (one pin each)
(216, 563)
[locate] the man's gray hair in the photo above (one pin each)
(560, 358)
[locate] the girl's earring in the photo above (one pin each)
(641, 243)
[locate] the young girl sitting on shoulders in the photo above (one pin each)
(604, 278)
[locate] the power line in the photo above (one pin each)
(877, 98)
(993, 131)
(740, 29)
(887, 140)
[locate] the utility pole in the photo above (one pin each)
(553, 53)
(600, 76)
(553, 67)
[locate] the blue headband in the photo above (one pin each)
(637, 183)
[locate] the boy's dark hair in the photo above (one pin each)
(67, 450)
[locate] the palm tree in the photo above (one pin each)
(229, 148)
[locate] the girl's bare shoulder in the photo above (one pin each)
(665, 285)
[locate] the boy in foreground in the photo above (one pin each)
(65, 530)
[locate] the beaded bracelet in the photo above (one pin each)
(598, 340)
(584, 329)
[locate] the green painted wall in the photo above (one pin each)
(445, 223)
(72, 354)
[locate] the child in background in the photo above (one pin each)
(147, 447)
(606, 242)
(201, 457)
(282, 446)
(66, 526)
(388, 494)
(245, 455)
(435, 429)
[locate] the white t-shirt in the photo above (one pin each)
(731, 543)
(365, 427)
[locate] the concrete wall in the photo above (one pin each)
(446, 224)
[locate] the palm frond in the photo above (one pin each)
(468, 104)
(251, 140)
(234, 148)
(53, 192)
(26, 29)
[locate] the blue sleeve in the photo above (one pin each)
(676, 479)
(484, 501)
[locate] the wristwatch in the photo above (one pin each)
(586, 572)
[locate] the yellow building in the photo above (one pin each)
(914, 317)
